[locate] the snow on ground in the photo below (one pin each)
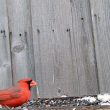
(104, 99)
(89, 99)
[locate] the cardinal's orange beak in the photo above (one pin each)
(33, 83)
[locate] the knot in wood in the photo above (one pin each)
(18, 48)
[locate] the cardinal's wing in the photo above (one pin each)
(10, 94)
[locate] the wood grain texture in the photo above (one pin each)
(5, 62)
(63, 48)
(83, 46)
(43, 47)
(52, 49)
(21, 40)
(100, 11)
(64, 45)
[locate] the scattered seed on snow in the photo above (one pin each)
(24, 108)
(89, 99)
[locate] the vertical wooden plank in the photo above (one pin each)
(83, 42)
(100, 10)
(43, 47)
(63, 47)
(5, 63)
(21, 41)
(52, 49)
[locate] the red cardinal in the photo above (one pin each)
(17, 95)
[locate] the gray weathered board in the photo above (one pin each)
(100, 11)
(63, 44)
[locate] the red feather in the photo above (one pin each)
(17, 95)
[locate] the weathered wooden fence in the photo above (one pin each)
(63, 44)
